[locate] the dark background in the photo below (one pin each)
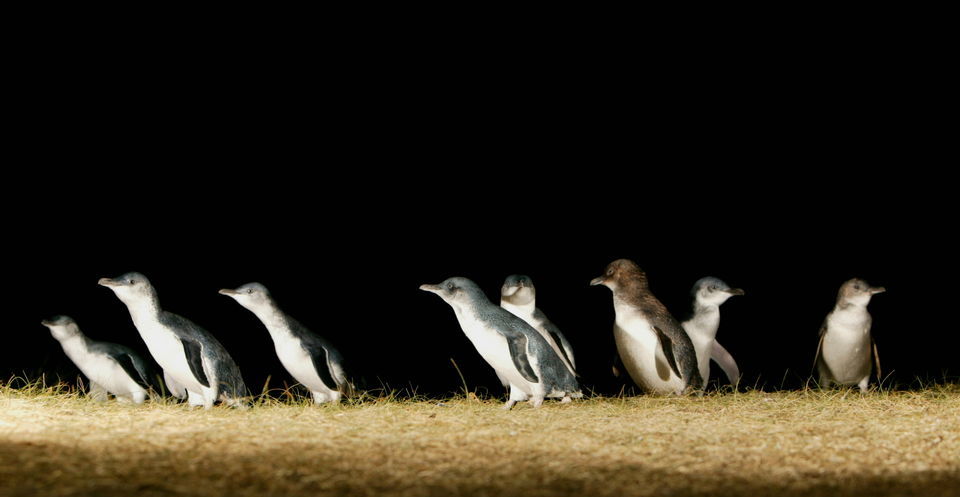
(342, 178)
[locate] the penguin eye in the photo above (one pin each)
(250, 290)
(857, 286)
(131, 281)
(610, 272)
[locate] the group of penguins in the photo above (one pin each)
(530, 355)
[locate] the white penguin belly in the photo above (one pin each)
(104, 371)
(492, 346)
(702, 345)
(299, 364)
(846, 351)
(639, 349)
(167, 349)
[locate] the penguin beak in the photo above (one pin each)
(47, 323)
(107, 282)
(228, 292)
(430, 288)
(736, 291)
(597, 281)
(877, 289)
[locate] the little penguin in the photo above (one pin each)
(194, 363)
(310, 359)
(110, 367)
(846, 345)
(656, 351)
(708, 295)
(515, 350)
(518, 295)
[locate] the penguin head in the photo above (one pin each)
(621, 273)
(518, 290)
(713, 291)
(130, 287)
(858, 292)
(251, 295)
(62, 327)
(457, 291)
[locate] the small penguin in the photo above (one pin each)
(518, 295)
(656, 351)
(708, 294)
(111, 368)
(512, 347)
(846, 345)
(194, 363)
(311, 360)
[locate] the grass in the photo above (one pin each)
(55, 442)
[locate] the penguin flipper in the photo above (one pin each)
(518, 352)
(151, 380)
(566, 351)
(195, 360)
(562, 344)
(667, 345)
(823, 332)
(321, 363)
(126, 362)
(726, 362)
(876, 359)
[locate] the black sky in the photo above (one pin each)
(344, 187)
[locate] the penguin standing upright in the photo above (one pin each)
(519, 296)
(846, 345)
(310, 359)
(110, 367)
(708, 295)
(193, 361)
(654, 348)
(512, 347)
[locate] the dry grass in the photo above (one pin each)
(791, 443)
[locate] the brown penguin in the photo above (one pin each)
(655, 350)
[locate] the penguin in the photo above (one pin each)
(512, 347)
(846, 346)
(194, 363)
(656, 351)
(111, 368)
(518, 295)
(708, 294)
(310, 359)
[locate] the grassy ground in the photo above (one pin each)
(833, 443)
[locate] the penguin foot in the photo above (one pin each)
(509, 405)
(566, 400)
(536, 402)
